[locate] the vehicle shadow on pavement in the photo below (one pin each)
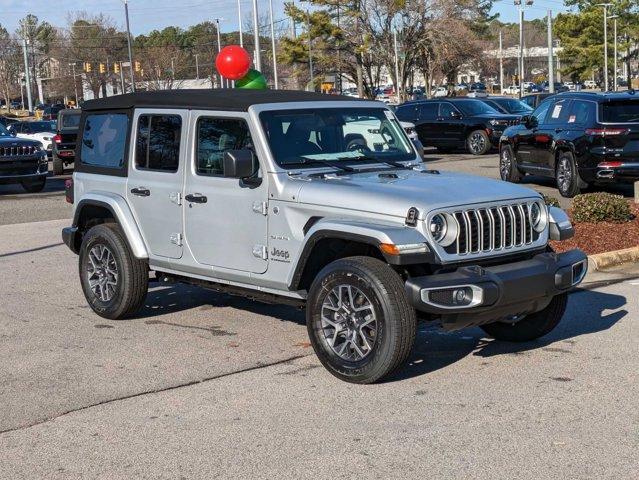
(53, 185)
(167, 299)
(588, 312)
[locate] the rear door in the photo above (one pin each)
(156, 174)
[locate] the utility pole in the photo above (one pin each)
(270, 12)
(75, 85)
(397, 81)
(310, 50)
(27, 75)
(551, 73)
(605, 12)
(256, 34)
(501, 63)
(128, 42)
(239, 22)
(614, 78)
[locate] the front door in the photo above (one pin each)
(526, 138)
(226, 223)
(156, 177)
(450, 124)
(553, 128)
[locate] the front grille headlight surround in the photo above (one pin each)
(538, 213)
(442, 228)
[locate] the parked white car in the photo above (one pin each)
(42, 131)
(440, 92)
(511, 90)
(590, 84)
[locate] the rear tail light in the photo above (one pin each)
(606, 132)
(68, 190)
(57, 138)
(610, 164)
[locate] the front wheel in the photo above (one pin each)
(478, 142)
(533, 326)
(359, 320)
(567, 175)
(114, 282)
(508, 170)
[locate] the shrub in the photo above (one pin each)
(600, 207)
(550, 201)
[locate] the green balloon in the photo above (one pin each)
(253, 80)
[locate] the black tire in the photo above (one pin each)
(130, 289)
(370, 280)
(478, 142)
(508, 170)
(567, 176)
(533, 326)
(58, 166)
(34, 186)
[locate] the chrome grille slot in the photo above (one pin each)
(18, 151)
(492, 228)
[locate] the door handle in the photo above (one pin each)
(196, 198)
(141, 191)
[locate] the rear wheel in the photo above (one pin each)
(114, 282)
(567, 175)
(508, 170)
(58, 166)
(359, 320)
(478, 142)
(34, 186)
(533, 326)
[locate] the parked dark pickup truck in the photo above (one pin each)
(65, 140)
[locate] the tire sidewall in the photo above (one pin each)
(102, 235)
(571, 190)
(486, 142)
(340, 274)
(512, 174)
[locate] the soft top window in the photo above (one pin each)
(104, 140)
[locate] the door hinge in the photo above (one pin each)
(259, 251)
(260, 207)
(176, 239)
(176, 197)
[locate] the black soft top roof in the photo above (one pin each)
(236, 100)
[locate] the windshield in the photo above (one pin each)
(40, 127)
(4, 132)
(474, 107)
(512, 105)
(298, 137)
(626, 111)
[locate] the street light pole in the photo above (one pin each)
(27, 75)
(270, 12)
(256, 34)
(614, 78)
(239, 22)
(310, 50)
(219, 47)
(128, 42)
(501, 64)
(75, 85)
(521, 6)
(398, 93)
(551, 73)
(605, 9)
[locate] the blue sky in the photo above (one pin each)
(147, 15)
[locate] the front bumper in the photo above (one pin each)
(501, 292)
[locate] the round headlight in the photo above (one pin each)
(438, 227)
(538, 216)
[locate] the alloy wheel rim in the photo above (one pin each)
(349, 323)
(505, 164)
(102, 272)
(564, 175)
(477, 142)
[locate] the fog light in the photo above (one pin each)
(458, 296)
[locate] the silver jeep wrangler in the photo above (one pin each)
(311, 200)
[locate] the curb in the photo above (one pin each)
(604, 260)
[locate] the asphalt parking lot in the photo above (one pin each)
(204, 385)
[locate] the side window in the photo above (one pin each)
(541, 111)
(558, 113)
(406, 113)
(581, 112)
(428, 111)
(104, 140)
(448, 110)
(216, 136)
(157, 145)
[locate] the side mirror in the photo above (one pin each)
(238, 163)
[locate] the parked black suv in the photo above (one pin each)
(577, 138)
(65, 139)
(510, 105)
(22, 161)
(453, 123)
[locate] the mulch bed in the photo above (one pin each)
(602, 237)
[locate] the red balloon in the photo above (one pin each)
(233, 62)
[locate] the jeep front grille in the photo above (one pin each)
(20, 150)
(484, 230)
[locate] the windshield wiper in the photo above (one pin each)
(392, 163)
(310, 161)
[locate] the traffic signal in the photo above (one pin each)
(116, 67)
(138, 67)
(88, 67)
(102, 68)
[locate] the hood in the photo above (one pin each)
(16, 141)
(375, 192)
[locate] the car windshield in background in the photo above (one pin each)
(40, 127)
(4, 132)
(70, 120)
(474, 107)
(626, 111)
(300, 137)
(514, 106)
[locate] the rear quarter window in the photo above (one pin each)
(104, 139)
(626, 111)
